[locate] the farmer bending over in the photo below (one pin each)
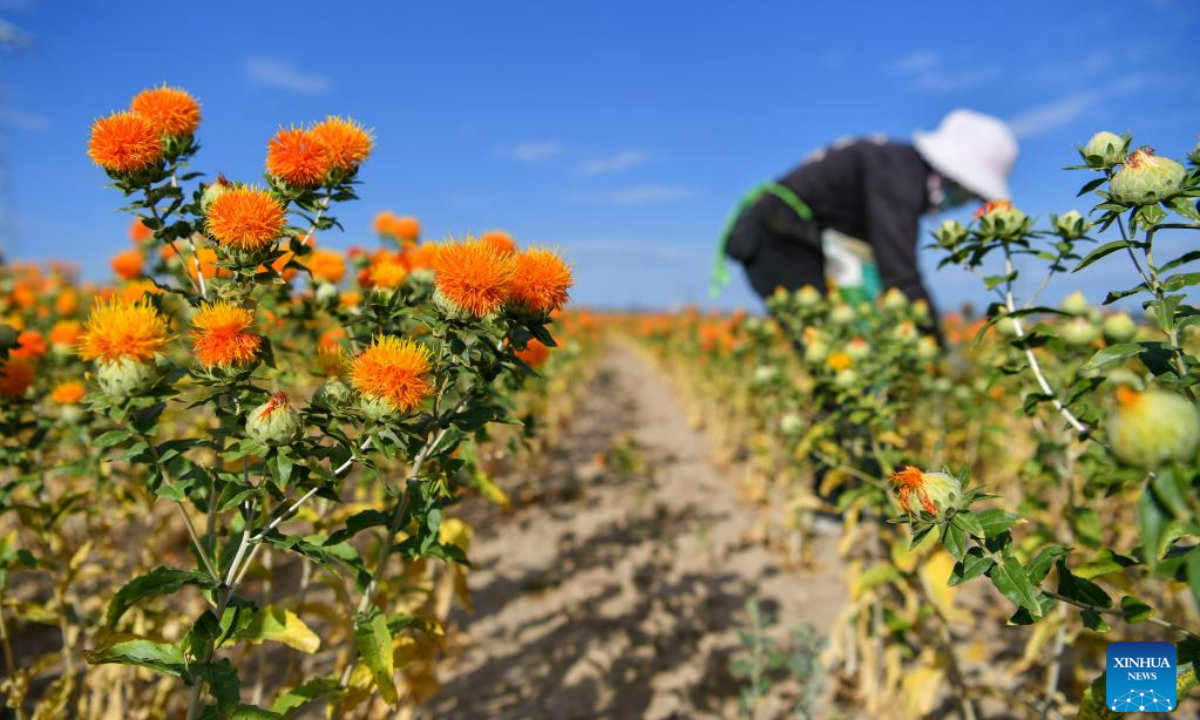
(850, 212)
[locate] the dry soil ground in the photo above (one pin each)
(620, 594)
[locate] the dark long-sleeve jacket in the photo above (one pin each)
(871, 190)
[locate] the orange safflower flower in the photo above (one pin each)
(65, 333)
(541, 280)
(387, 274)
(839, 361)
(246, 218)
(68, 393)
(220, 337)
(350, 299)
(138, 232)
(208, 264)
(535, 354)
(473, 276)
(331, 360)
(406, 229)
(330, 338)
(30, 345)
(124, 142)
(16, 376)
(24, 295)
(393, 370)
(117, 330)
(67, 302)
(383, 222)
(137, 289)
(327, 265)
(500, 240)
(127, 264)
(991, 206)
(422, 256)
(345, 141)
(298, 158)
(170, 111)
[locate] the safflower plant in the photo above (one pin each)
(289, 420)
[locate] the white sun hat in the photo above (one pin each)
(974, 150)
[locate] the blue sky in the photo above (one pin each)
(621, 131)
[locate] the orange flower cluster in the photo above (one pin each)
(393, 370)
(16, 376)
(127, 264)
(117, 330)
(535, 354)
(326, 265)
(407, 230)
(220, 337)
(347, 143)
(500, 240)
(130, 141)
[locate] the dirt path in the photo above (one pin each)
(620, 595)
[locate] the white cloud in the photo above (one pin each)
(24, 121)
(941, 80)
(1069, 108)
(1050, 116)
(641, 195)
(915, 62)
(282, 74)
(533, 150)
(615, 163)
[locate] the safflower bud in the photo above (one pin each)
(125, 378)
(950, 233)
(935, 492)
(214, 190)
(858, 349)
(333, 394)
(841, 314)
(1104, 150)
(1080, 331)
(1194, 155)
(927, 348)
(1153, 427)
(1070, 225)
(1119, 327)
(275, 422)
(1000, 219)
(764, 374)
(791, 424)
(1146, 179)
(808, 296)
(893, 299)
(1076, 304)
(845, 378)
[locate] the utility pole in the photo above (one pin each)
(12, 39)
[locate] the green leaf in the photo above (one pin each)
(1094, 621)
(1105, 562)
(1112, 354)
(358, 522)
(1077, 588)
(374, 642)
(282, 626)
(996, 521)
(1152, 521)
(111, 438)
(1039, 567)
(1134, 610)
(1013, 583)
(1101, 252)
(954, 538)
(973, 565)
(971, 523)
(163, 657)
(293, 699)
(161, 580)
(249, 712)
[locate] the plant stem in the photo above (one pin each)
(1117, 613)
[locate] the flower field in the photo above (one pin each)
(253, 477)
